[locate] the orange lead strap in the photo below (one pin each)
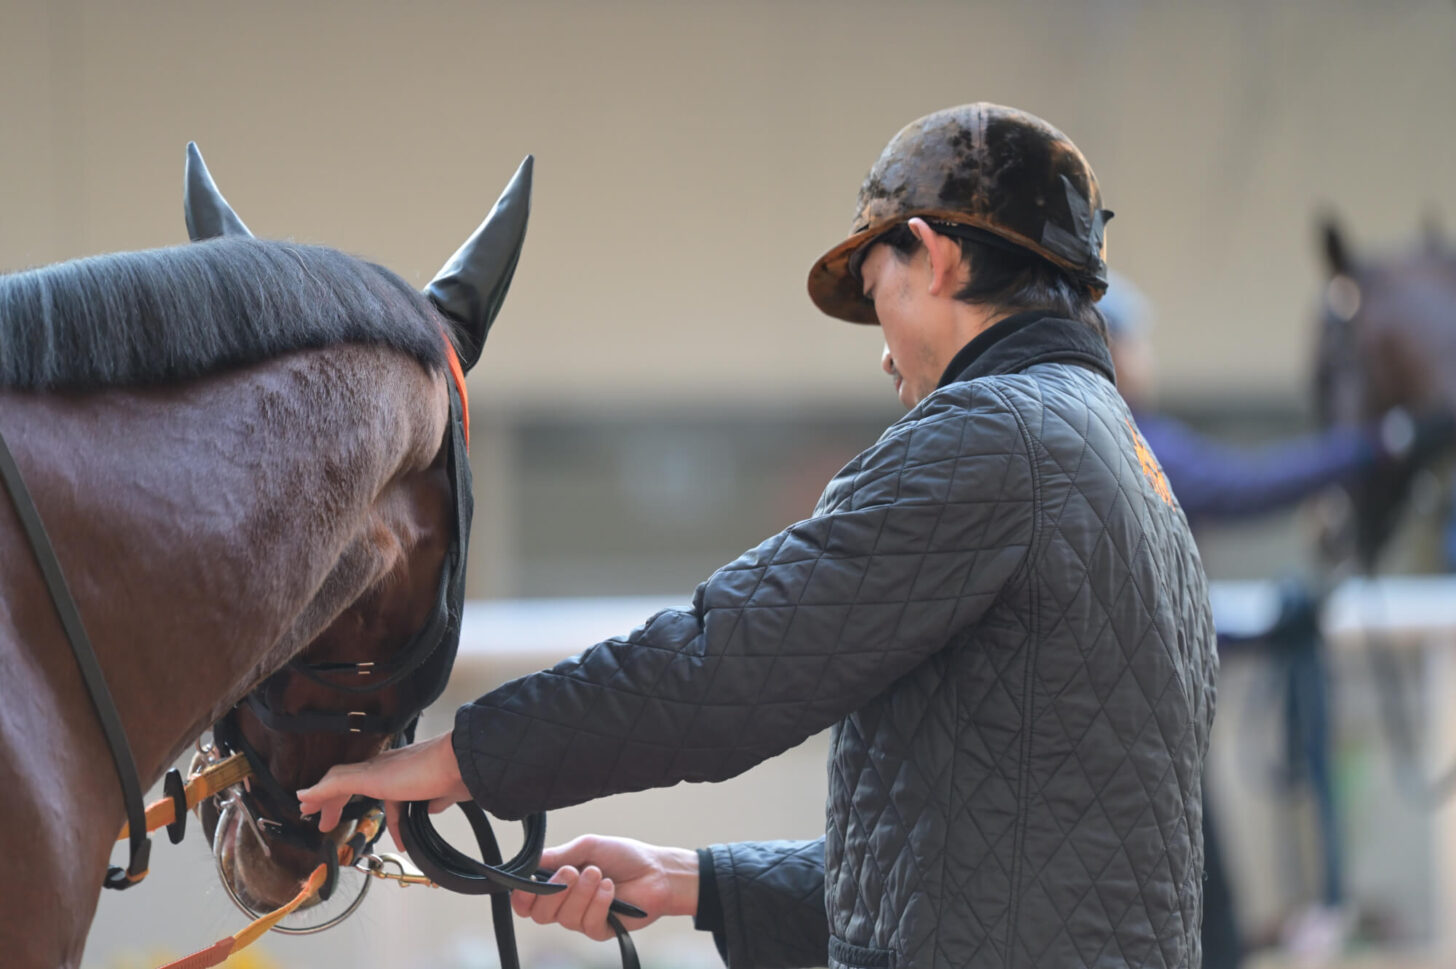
(209, 782)
(203, 785)
(216, 953)
(222, 948)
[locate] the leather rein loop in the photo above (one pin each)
(452, 869)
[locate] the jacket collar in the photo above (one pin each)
(1025, 339)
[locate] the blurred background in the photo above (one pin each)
(659, 394)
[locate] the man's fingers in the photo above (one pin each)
(329, 815)
(546, 908)
(426, 771)
(327, 798)
(553, 858)
(573, 909)
(522, 903)
(594, 920)
(578, 852)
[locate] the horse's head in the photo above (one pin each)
(1387, 338)
(385, 650)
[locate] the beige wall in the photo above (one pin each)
(693, 158)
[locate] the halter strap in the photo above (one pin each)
(206, 783)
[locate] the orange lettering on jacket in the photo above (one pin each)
(1151, 469)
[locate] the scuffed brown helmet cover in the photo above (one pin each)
(981, 165)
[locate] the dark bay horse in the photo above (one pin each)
(1387, 339)
(241, 451)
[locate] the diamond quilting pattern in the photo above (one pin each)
(1007, 629)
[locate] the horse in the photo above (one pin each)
(1386, 341)
(247, 455)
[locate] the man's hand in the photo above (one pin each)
(425, 771)
(660, 881)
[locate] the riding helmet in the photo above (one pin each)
(979, 170)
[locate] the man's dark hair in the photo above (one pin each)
(1008, 278)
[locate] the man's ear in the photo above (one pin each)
(945, 258)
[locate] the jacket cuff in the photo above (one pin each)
(460, 743)
(709, 916)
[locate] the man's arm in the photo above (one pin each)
(924, 530)
(921, 534)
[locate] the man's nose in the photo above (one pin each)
(887, 362)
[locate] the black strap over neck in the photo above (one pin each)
(70, 617)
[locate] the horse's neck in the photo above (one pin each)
(209, 532)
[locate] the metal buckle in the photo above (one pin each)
(405, 873)
(355, 713)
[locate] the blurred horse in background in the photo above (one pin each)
(1387, 341)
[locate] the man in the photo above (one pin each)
(997, 608)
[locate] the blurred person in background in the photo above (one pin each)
(1217, 482)
(997, 608)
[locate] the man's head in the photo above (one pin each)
(1005, 201)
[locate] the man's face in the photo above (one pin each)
(915, 324)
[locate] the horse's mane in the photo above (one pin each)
(166, 315)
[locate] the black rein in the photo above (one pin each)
(450, 868)
(70, 616)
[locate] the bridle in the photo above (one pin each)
(420, 670)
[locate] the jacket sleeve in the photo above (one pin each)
(764, 903)
(913, 541)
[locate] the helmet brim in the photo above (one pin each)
(836, 289)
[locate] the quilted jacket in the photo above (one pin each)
(1000, 612)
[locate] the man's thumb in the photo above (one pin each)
(553, 858)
